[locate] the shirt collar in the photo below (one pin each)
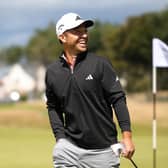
(79, 58)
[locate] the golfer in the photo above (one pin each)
(82, 92)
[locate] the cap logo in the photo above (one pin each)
(60, 27)
(78, 18)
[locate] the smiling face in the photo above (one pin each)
(75, 40)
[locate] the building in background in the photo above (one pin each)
(18, 82)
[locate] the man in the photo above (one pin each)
(81, 90)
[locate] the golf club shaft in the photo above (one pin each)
(133, 163)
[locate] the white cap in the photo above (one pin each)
(70, 21)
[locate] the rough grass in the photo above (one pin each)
(141, 109)
(31, 113)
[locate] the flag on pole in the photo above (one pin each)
(160, 53)
(160, 60)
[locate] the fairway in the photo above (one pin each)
(25, 147)
(143, 156)
(32, 148)
(26, 140)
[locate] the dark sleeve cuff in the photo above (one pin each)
(59, 136)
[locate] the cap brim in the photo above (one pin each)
(88, 23)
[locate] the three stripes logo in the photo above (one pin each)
(89, 77)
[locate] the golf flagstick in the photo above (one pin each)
(118, 148)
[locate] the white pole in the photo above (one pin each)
(154, 126)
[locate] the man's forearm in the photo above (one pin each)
(56, 122)
(122, 115)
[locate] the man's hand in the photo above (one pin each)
(128, 145)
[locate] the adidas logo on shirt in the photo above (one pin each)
(89, 77)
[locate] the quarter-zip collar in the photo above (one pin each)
(79, 58)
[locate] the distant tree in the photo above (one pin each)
(108, 38)
(11, 54)
(101, 38)
(133, 43)
(95, 42)
(44, 46)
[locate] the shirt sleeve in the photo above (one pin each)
(54, 111)
(115, 96)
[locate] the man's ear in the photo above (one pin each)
(62, 38)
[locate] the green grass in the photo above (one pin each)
(25, 147)
(26, 140)
(143, 157)
(32, 148)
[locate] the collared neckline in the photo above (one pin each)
(79, 57)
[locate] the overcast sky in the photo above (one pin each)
(20, 18)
